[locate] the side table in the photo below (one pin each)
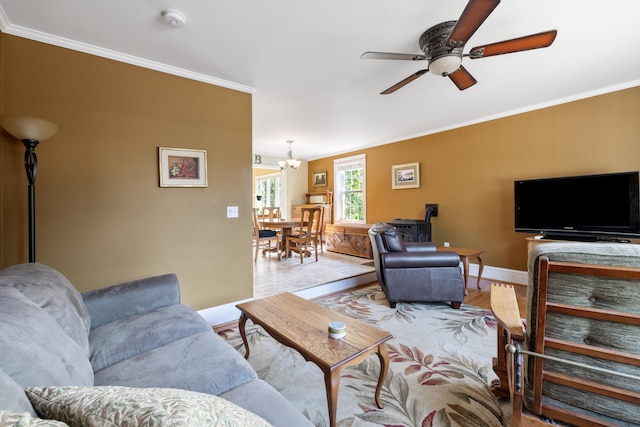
(467, 254)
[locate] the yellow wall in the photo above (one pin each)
(470, 171)
(102, 218)
(101, 215)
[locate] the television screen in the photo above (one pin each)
(586, 207)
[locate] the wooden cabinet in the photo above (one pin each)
(350, 239)
(320, 197)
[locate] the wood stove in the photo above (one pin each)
(416, 230)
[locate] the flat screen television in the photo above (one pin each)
(588, 207)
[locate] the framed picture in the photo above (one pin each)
(405, 176)
(181, 167)
(320, 179)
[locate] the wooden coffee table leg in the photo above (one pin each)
(383, 355)
(332, 383)
(243, 333)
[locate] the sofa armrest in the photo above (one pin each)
(419, 259)
(420, 246)
(130, 298)
(504, 306)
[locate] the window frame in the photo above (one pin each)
(340, 165)
(278, 193)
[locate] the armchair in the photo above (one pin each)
(578, 359)
(414, 271)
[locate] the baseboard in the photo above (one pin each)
(499, 274)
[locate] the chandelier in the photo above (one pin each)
(290, 162)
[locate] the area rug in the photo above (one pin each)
(439, 375)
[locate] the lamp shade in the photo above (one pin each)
(31, 128)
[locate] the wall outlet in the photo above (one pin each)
(232, 212)
(446, 244)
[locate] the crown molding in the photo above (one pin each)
(30, 34)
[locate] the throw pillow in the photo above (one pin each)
(394, 240)
(24, 419)
(140, 407)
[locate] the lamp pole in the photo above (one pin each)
(31, 166)
(31, 131)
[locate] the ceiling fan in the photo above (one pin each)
(443, 44)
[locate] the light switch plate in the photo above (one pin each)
(232, 212)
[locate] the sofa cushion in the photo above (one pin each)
(262, 399)
(36, 351)
(51, 291)
(591, 292)
(153, 407)
(124, 338)
(24, 419)
(203, 362)
(12, 396)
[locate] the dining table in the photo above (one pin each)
(286, 227)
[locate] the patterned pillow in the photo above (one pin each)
(124, 406)
(24, 419)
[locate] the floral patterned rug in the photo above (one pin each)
(439, 375)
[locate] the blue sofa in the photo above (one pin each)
(135, 335)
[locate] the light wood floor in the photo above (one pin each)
(482, 297)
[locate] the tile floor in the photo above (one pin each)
(271, 276)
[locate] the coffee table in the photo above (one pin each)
(303, 326)
(465, 255)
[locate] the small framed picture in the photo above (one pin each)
(181, 167)
(405, 176)
(320, 179)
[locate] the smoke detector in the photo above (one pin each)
(173, 18)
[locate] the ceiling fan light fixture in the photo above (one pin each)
(445, 64)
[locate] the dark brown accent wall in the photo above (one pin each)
(101, 215)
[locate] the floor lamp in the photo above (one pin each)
(30, 131)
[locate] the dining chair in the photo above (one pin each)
(307, 235)
(262, 238)
(320, 230)
(271, 213)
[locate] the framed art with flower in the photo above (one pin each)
(181, 167)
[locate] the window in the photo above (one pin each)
(269, 187)
(349, 189)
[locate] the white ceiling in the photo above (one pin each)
(301, 59)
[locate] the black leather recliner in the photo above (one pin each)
(415, 271)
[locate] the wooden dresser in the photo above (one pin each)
(349, 239)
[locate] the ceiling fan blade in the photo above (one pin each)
(534, 41)
(404, 82)
(462, 78)
(472, 17)
(388, 55)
